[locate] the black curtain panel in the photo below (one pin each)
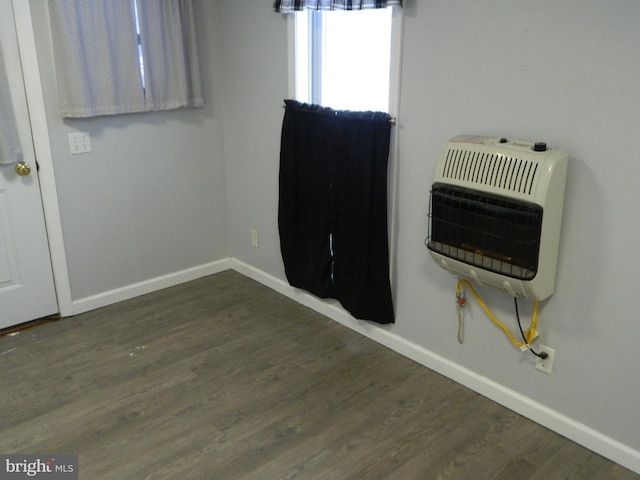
(332, 214)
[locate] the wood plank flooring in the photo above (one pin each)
(222, 378)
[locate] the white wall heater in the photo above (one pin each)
(495, 213)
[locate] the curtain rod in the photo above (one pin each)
(392, 120)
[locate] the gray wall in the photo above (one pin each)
(562, 72)
(255, 85)
(150, 199)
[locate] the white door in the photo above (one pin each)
(26, 280)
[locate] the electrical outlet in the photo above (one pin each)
(545, 364)
(254, 238)
(79, 142)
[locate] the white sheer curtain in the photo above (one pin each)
(96, 54)
(98, 63)
(171, 70)
(10, 148)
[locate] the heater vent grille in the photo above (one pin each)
(493, 232)
(495, 170)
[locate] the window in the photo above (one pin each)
(338, 231)
(343, 59)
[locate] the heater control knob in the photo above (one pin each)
(540, 147)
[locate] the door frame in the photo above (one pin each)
(41, 144)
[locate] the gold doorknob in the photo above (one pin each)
(23, 169)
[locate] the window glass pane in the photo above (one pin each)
(135, 9)
(355, 59)
(343, 58)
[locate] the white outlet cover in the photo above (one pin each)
(545, 365)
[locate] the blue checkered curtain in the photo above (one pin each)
(289, 6)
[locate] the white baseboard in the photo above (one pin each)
(551, 419)
(130, 291)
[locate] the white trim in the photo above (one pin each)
(40, 134)
(395, 69)
(395, 72)
(551, 419)
(291, 55)
(148, 286)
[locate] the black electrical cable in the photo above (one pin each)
(542, 355)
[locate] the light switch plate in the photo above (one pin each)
(79, 142)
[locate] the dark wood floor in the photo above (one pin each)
(222, 378)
